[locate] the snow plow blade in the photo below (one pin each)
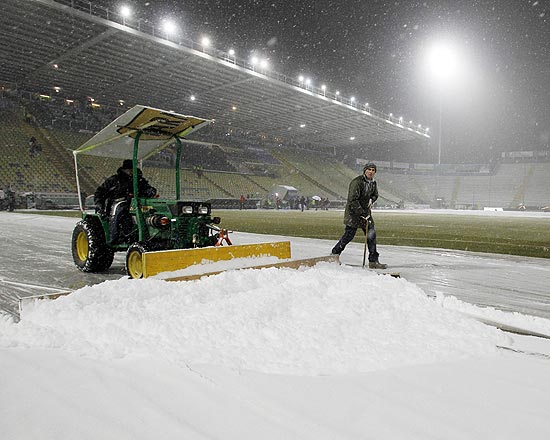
(171, 260)
(307, 262)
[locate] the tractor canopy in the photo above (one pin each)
(156, 129)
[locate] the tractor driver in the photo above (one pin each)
(112, 199)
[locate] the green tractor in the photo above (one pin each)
(156, 224)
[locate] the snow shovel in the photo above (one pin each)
(366, 235)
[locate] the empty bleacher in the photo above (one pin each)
(226, 172)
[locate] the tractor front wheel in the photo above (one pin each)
(134, 260)
(89, 248)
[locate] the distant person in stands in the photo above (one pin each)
(112, 199)
(241, 201)
(34, 147)
(302, 203)
(363, 192)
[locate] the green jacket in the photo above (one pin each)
(361, 191)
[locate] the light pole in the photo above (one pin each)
(443, 65)
(440, 129)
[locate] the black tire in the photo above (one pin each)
(90, 250)
(134, 260)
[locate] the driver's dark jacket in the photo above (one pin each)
(121, 186)
(361, 190)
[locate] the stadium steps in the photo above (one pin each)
(422, 194)
(58, 156)
(247, 177)
(519, 197)
(288, 164)
(218, 187)
(63, 154)
(456, 189)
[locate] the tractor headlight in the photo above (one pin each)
(203, 210)
(187, 210)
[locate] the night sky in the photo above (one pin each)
(375, 51)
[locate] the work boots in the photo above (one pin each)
(377, 265)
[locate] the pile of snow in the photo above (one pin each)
(329, 319)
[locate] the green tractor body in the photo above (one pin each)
(153, 224)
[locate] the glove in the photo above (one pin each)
(150, 193)
(100, 211)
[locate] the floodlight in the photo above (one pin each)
(205, 41)
(125, 11)
(443, 61)
(169, 27)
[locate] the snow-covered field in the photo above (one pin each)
(331, 352)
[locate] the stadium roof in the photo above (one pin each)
(86, 51)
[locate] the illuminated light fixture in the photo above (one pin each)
(69, 101)
(324, 89)
(125, 11)
(205, 42)
(231, 52)
(95, 105)
(57, 89)
(308, 81)
(234, 108)
(336, 94)
(352, 99)
(301, 78)
(121, 102)
(443, 60)
(192, 97)
(169, 27)
(400, 118)
(427, 128)
(55, 66)
(391, 115)
(352, 138)
(91, 99)
(254, 61)
(419, 125)
(302, 125)
(264, 64)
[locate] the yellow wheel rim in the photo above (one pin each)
(82, 246)
(135, 264)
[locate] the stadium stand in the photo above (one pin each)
(224, 173)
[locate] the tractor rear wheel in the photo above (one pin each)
(89, 248)
(134, 260)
